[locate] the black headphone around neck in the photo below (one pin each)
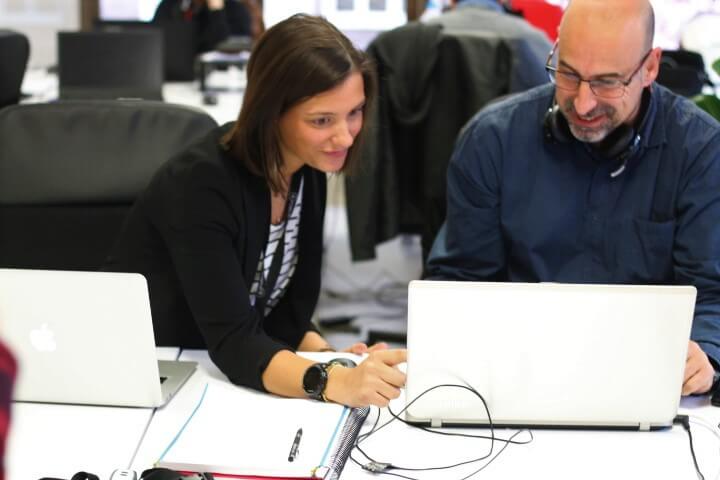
(619, 146)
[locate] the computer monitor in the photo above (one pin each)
(111, 64)
(178, 45)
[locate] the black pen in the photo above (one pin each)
(295, 445)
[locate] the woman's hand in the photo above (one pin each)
(361, 348)
(376, 381)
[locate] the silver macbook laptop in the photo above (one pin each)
(85, 338)
(547, 354)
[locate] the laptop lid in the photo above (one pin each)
(85, 338)
(110, 64)
(547, 354)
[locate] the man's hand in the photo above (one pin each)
(699, 371)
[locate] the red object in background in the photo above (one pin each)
(8, 368)
(540, 14)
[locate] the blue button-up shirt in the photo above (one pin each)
(522, 207)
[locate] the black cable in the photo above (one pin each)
(684, 420)
(454, 434)
(381, 467)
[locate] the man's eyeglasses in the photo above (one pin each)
(606, 87)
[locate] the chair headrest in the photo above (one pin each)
(90, 151)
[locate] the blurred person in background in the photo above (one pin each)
(213, 20)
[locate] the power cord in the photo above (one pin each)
(384, 468)
(684, 420)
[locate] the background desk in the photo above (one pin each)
(49, 440)
(228, 87)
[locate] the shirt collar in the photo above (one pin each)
(488, 4)
(652, 129)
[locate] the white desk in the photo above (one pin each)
(58, 440)
(557, 454)
(49, 440)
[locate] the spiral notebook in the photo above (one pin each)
(237, 431)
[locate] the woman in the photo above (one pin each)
(229, 233)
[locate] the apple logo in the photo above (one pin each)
(43, 339)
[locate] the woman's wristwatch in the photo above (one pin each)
(316, 377)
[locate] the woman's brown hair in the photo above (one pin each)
(294, 60)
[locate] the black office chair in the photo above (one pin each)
(70, 171)
(14, 53)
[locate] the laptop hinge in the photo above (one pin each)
(435, 423)
(644, 427)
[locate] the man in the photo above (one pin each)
(603, 177)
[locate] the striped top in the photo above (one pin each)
(290, 255)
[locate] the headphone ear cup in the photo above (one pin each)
(555, 126)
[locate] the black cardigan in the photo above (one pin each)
(197, 234)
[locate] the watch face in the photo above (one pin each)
(315, 379)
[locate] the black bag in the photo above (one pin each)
(150, 474)
(683, 72)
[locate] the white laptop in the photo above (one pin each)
(85, 338)
(555, 355)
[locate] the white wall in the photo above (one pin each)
(128, 9)
(360, 24)
(40, 20)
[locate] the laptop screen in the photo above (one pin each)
(80, 337)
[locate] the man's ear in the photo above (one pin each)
(652, 66)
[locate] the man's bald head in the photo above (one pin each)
(604, 14)
(605, 42)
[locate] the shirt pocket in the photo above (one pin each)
(641, 251)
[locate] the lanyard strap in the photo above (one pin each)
(267, 285)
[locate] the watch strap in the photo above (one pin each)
(329, 368)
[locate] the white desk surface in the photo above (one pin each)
(553, 454)
(43, 87)
(556, 454)
(48, 440)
